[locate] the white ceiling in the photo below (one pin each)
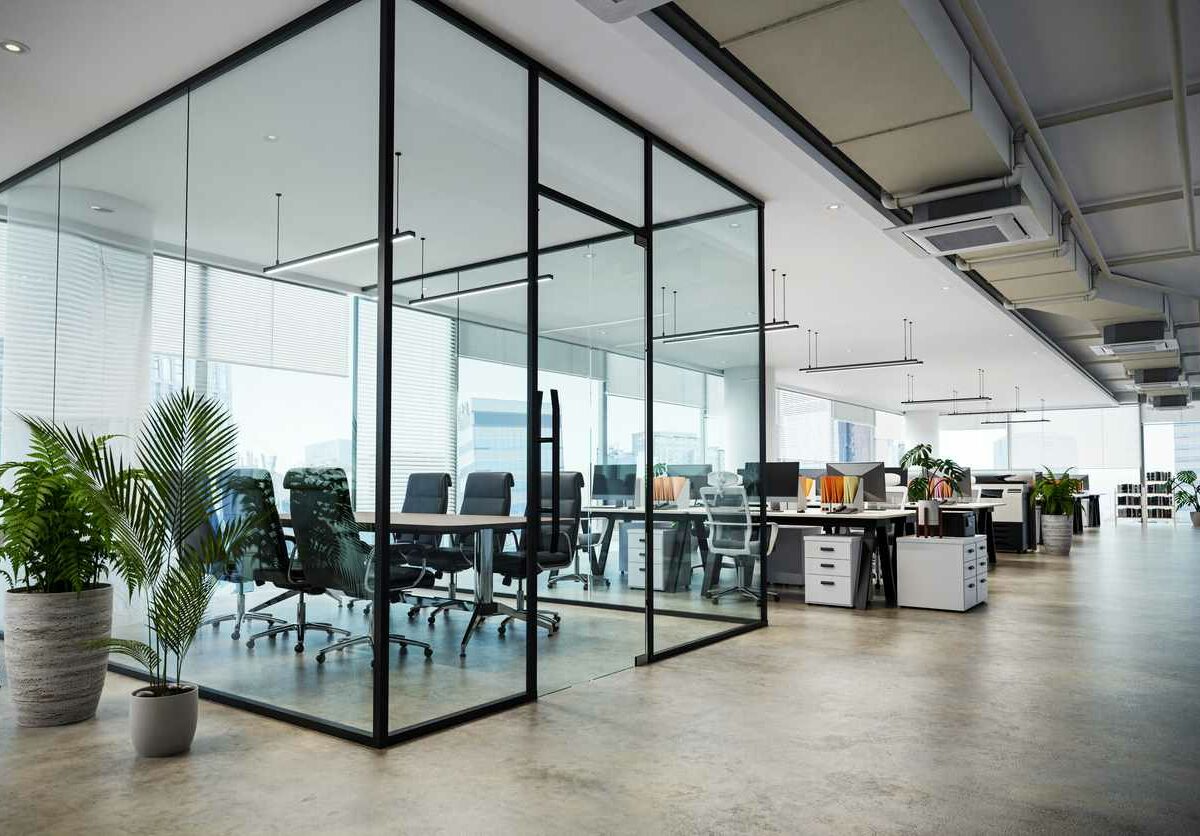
(847, 280)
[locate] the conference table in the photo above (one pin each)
(481, 525)
(876, 527)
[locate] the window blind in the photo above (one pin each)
(424, 401)
(805, 427)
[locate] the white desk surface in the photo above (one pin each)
(968, 506)
(887, 514)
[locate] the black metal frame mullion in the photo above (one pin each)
(648, 402)
(381, 605)
(533, 447)
(762, 413)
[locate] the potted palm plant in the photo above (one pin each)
(56, 544)
(938, 479)
(161, 512)
(1056, 494)
(1187, 494)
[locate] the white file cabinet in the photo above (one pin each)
(942, 573)
(831, 569)
(637, 558)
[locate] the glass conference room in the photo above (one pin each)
(223, 238)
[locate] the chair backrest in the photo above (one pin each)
(728, 512)
(427, 493)
(252, 494)
(488, 493)
(570, 503)
(327, 541)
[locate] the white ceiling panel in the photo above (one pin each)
(1140, 229)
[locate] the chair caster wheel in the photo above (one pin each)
(716, 601)
(429, 653)
(320, 658)
(412, 615)
(432, 620)
(250, 643)
(500, 632)
(403, 649)
(299, 648)
(236, 635)
(349, 606)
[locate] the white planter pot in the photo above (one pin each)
(1196, 519)
(1057, 533)
(163, 726)
(55, 678)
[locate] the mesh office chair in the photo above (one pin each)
(732, 534)
(333, 553)
(487, 493)
(553, 552)
(266, 546)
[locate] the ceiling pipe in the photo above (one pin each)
(1179, 97)
(891, 201)
(988, 41)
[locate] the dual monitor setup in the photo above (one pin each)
(619, 484)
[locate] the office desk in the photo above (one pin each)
(483, 526)
(875, 525)
(982, 508)
(1092, 498)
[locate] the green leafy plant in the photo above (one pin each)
(1187, 492)
(160, 512)
(1056, 493)
(54, 535)
(660, 469)
(934, 472)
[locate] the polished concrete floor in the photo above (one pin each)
(1067, 704)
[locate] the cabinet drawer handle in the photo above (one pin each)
(970, 565)
(970, 586)
(827, 548)
(983, 580)
(827, 566)
(827, 583)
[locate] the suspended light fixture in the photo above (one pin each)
(477, 291)
(1042, 420)
(730, 330)
(397, 236)
(952, 400)
(814, 355)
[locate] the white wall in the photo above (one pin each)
(920, 428)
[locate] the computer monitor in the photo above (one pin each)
(964, 484)
(870, 474)
(779, 482)
(696, 474)
(614, 482)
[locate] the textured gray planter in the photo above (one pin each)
(55, 678)
(1056, 533)
(1196, 518)
(163, 726)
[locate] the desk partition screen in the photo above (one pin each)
(373, 237)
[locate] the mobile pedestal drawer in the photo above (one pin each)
(941, 573)
(831, 569)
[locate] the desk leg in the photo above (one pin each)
(484, 605)
(598, 565)
(862, 593)
(1077, 517)
(700, 531)
(990, 530)
(887, 563)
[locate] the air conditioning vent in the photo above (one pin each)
(1164, 381)
(1169, 402)
(1135, 339)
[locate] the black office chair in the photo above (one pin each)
(426, 493)
(333, 553)
(487, 493)
(253, 495)
(586, 541)
(554, 552)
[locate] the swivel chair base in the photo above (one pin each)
(440, 605)
(242, 616)
(302, 625)
(393, 638)
(577, 576)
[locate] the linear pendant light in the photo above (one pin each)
(1042, 420)
(728, 330)
(952, 400)
(398, 235)
(814, 355)
(477, 291)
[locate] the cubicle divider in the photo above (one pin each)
(378, 297)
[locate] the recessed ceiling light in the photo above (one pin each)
(833, 207)
(1010, 335)
(102, 209)
(15, 47)
(270, 137)
(589, 255)
(735, 225)
(945, 287)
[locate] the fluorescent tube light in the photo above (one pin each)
(338, 252)
(477, 291)
(718, 333)
(948, 400)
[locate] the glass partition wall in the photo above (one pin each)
(433, 300)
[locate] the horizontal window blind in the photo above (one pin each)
(805, 427)
(424, 401)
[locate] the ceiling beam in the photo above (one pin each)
(1066, 117)
(1179, 98)
(1131, 201)
(1143, 258)
(787, 21)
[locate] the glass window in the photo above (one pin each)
(805, 428)
(889, 437)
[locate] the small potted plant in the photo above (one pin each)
(938, 480)
(1056, 494)
(56, 543)
(1187, 494)
(161, 514)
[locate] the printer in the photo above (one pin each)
(1012, 521)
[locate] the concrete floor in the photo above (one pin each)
(1067, 704)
